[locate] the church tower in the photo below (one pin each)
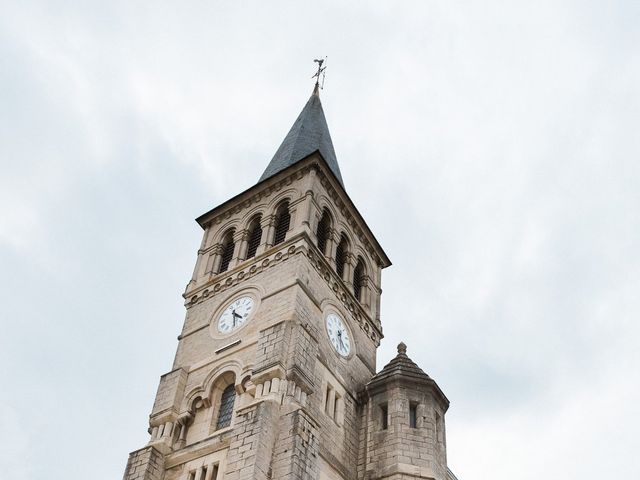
(275, 371)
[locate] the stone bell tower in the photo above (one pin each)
(275, 371)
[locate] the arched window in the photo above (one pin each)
(341, 255)
(255, 237)
(225, 412)
(322, 233)
(358, 279)
(228, 245)
(283, 219)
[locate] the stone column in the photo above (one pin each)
(268, 228)
(333, 238)
(349, 266)
(240, 247)
(365, 295)
(183, 421)
(210, 470)
(199, 268)
(215, 256)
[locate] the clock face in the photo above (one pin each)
(338, 334)
(235, 315)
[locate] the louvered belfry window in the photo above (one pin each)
(323, 231)
(226, 407)
(255, 236)
(283, 218)
(228, 246)
(358, 279)
(341, 256)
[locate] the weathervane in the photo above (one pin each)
(320, 71)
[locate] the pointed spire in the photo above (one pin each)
(308, 134)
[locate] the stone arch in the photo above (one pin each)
(359, 278)
(257, 210)
(255, 234)
(342, 253)
(222, 228)
(359, 251)
(228, 245)
(282, 221)
(323, 230)
(290, 194)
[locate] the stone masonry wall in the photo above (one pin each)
(145, 464)
(296, 453)
(252, 445)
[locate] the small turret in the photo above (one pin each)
(405, 423)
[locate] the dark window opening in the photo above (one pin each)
(322, 232)
(341, 256)
(226, 407)
(255, 237)
(283, 219)
(228, 246)
(384, 414)
(358, 279)
(413, 415)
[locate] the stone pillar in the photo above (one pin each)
(268, 229)
(215, 256)
(365, 299)
(349, 266)
(201, 263)
(145, 464)
(240, 248)
(254, 425)
(183, 423)
(330, 248)
(296, 452)
(332, 245)
(210, 469)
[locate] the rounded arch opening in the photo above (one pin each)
(341, 254)
(282, 223)
(255, 236)
(323, 230)
(359, 274)
(228, 246)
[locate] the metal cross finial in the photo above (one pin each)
(320, 71)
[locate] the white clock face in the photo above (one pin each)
(338, 334)
(235, 315)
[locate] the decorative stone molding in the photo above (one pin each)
(234, 277)
(345, 295)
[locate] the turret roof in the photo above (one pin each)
(403, 369)
(401, 365)
(308, 134)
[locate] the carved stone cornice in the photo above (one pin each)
(342, 293)
(300, 244)
(240, 273)
(252, 196)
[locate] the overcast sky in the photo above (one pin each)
(492, 146)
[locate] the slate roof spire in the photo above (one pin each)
(308, 134)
